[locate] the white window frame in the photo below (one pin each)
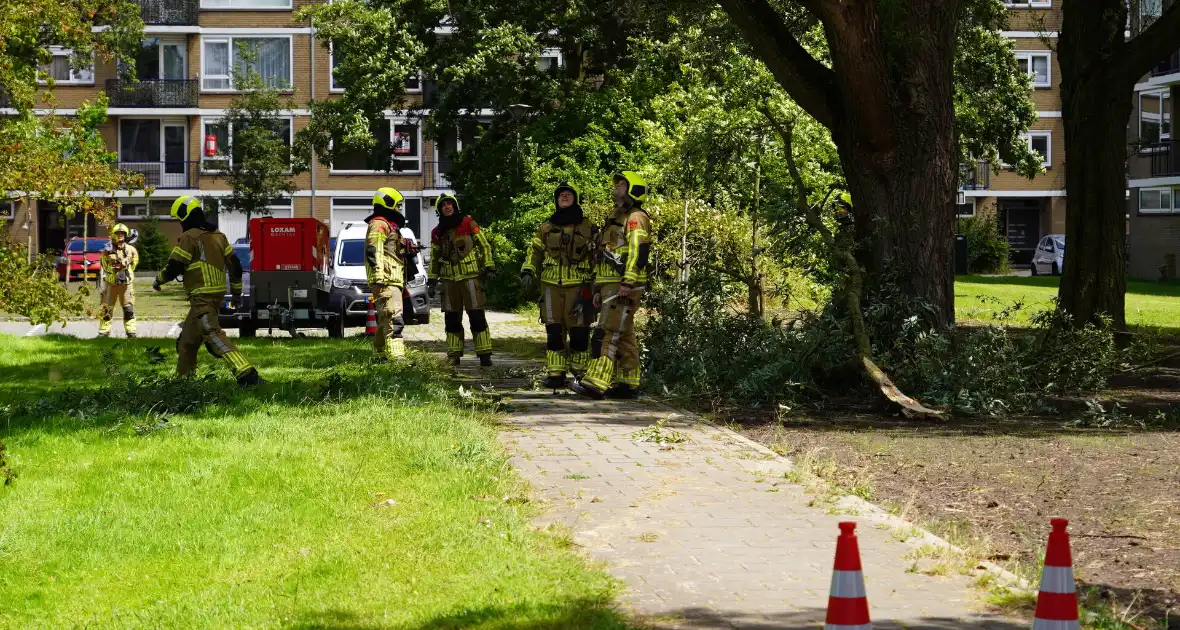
(1164, 97)
(393, 123)
(58, 51)
(1048, 135)
(210, 120)
(206, 5)
(974, 208)
(231, 41)
(7, 210)
(1028, 4)
(551, 53)
(164, 216)
(1032, 75)
(1174, 207)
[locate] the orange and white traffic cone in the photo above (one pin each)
(848, 607)
(1057, 600)
(371, 323)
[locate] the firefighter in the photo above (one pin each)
(624, 245)
(562, 249)
(461, 259)
(386, 253)
(119, 260)
(200, 259)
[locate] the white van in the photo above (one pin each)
(350, 286)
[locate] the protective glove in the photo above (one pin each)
(156, 285)
(432, 287)
(487, 274)
(121, 276)
(528, 282)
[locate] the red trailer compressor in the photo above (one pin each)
(290, 276)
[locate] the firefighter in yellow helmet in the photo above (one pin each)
(200, 259)
(562, 250)
(119, 260)
(461, 258)
(624, 245)
(386, 253)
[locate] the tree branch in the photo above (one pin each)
(808, 81)
(1148, 48)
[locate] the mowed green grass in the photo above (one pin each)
(337, 495)
(980, 299)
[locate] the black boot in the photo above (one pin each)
(554, 381)
(589, 391)
(485, 360)
(454, 360)
(249, 378)
(622, 391)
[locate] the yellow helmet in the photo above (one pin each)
(388, 198)
(183, 207)
(119, 227)
(439, 202)
(636, 185)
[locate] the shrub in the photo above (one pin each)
(153, 246)
(987, 249)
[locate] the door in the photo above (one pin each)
(1022, 227)
(175, 156)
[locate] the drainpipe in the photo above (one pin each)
(311, 48)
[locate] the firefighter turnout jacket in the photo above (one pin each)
(385, 254)
(202, 256)
(624, 246)
(563, 253)
(119, 263)
(460, 253)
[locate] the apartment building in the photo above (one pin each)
(1153, 200)
(168, 125)
(1026, 210)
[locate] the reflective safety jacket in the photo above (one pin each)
(624, 246)
(459, 253)
(203, 256)
(563, 253)
(119, 263)
(385, 254)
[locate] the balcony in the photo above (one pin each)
(1165, 158)
(165, 174)
(169, 12)
(977, 176)
(156, 93)
(1171, 65)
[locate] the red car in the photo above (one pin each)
(83, 256)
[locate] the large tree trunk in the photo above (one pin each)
(897, 145)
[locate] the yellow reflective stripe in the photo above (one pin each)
(484, 248)
(229, 250)
(181, 254)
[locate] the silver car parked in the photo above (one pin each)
(1049, 258)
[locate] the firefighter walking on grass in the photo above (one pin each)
(460, 262)
(119, 260)
(386, 253)
(620, 277)
(200, 260)
(562, 251)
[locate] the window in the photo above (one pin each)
(550, 60)
(7, 211)
(1027, 4)
(271, 60)
(60, 70)
(965, 209)
(245, 4)
(1036, 66)
(413, 84)
(1157, 200)
(1040, 142)
(1155, 117)
(398, 148)
(142, 209)
(222, 133)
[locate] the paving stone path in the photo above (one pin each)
(701, 525)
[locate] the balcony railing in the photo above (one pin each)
(1171, 65)
(156, 93)
(169, 12)
(1165, 158)
(165, 174)
(977, 176)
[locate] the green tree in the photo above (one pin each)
(153, 245)
(1099, 69)
(259, 167)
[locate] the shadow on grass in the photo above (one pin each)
(594, 616)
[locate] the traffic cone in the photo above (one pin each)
(371, 323)
(1057, 601)
(848, 607)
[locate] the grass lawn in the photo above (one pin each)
(980, 298)
(168, 304)
(337, 495)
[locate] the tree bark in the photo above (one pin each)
(1099, 68)
(888, 101)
